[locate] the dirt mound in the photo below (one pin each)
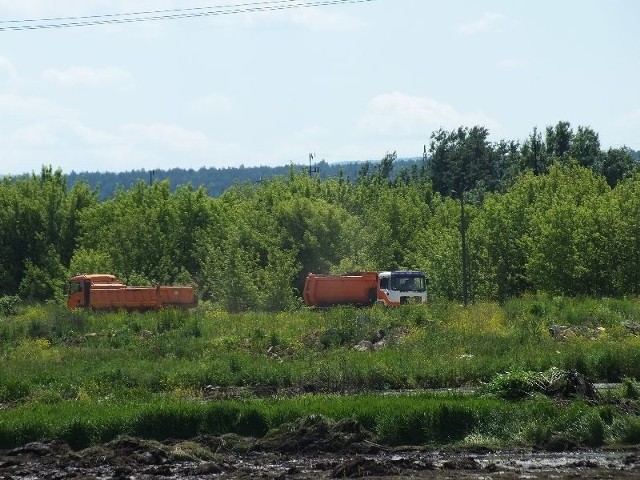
(235, 457)
(364, 467)
(125, 451)
(316, 433)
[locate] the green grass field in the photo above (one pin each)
(88, 377)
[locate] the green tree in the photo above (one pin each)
(626, 251)
(558, 140)
(567, 233)
(534, 156)
(313, 231)
(45, 280)
(38, 228)
(585, 148)
(500, 227)
(148, 232)
(616, 165)
(438, 249)
(462, 160)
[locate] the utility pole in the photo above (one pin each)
(465, 255)
(465, 261)
(313, 169)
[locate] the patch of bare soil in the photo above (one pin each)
(313, 447)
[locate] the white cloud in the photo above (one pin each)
(296, 146)
(56, 133)
(173, 136)
(36, 135)
(93, 77)
(398, 114)
(63, 143)
(16, 105)
(211, 102)
(488, 22)
(7, 69)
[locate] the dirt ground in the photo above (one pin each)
(313, 447)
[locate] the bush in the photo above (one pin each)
(513, 385)
(79, 433)
(591, 429)
(554, 382)
(628, 430)
(13, 389)
(9, 304)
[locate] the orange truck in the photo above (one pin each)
(388, 288)
(106, 292)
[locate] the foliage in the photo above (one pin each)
(38, 232)
(89, 376)
(9, 304)
(515, 385)
(555, 214)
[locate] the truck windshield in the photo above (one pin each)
(408, 283)
(74, 287)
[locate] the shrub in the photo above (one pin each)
(512, 385)
(591, 429)
(630, 388)
(9, 304)
(168, 319)
(628, 430)
(13, 389)
(79, 433)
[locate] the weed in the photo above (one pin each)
(53, 360)
(9, 305)
(626, 430)
(631, 390)
(13, 389)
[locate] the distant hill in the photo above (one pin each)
(217, 180)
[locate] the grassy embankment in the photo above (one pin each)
(87, 377)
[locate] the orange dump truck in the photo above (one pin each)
(366, 288)
(105, 292)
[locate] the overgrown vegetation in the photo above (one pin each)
(555, 215)
(552, 236)
(88, 377)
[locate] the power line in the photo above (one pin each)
(148, 12)
(168, 14)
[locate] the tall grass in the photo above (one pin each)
(51, 358)
(425, 419)
(451, 346)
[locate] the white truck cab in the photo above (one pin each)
(402, 286)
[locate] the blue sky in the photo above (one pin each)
(347, 82)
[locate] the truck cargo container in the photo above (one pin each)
(388, 288)
(106, 292)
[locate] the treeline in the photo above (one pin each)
(555, 214)
(214, 180)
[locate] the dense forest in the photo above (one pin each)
(554, 214)
(216, 180)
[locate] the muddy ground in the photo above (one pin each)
(313, 447)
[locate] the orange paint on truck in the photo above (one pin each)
(105, 292)
(365, 288)
(350, 289)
